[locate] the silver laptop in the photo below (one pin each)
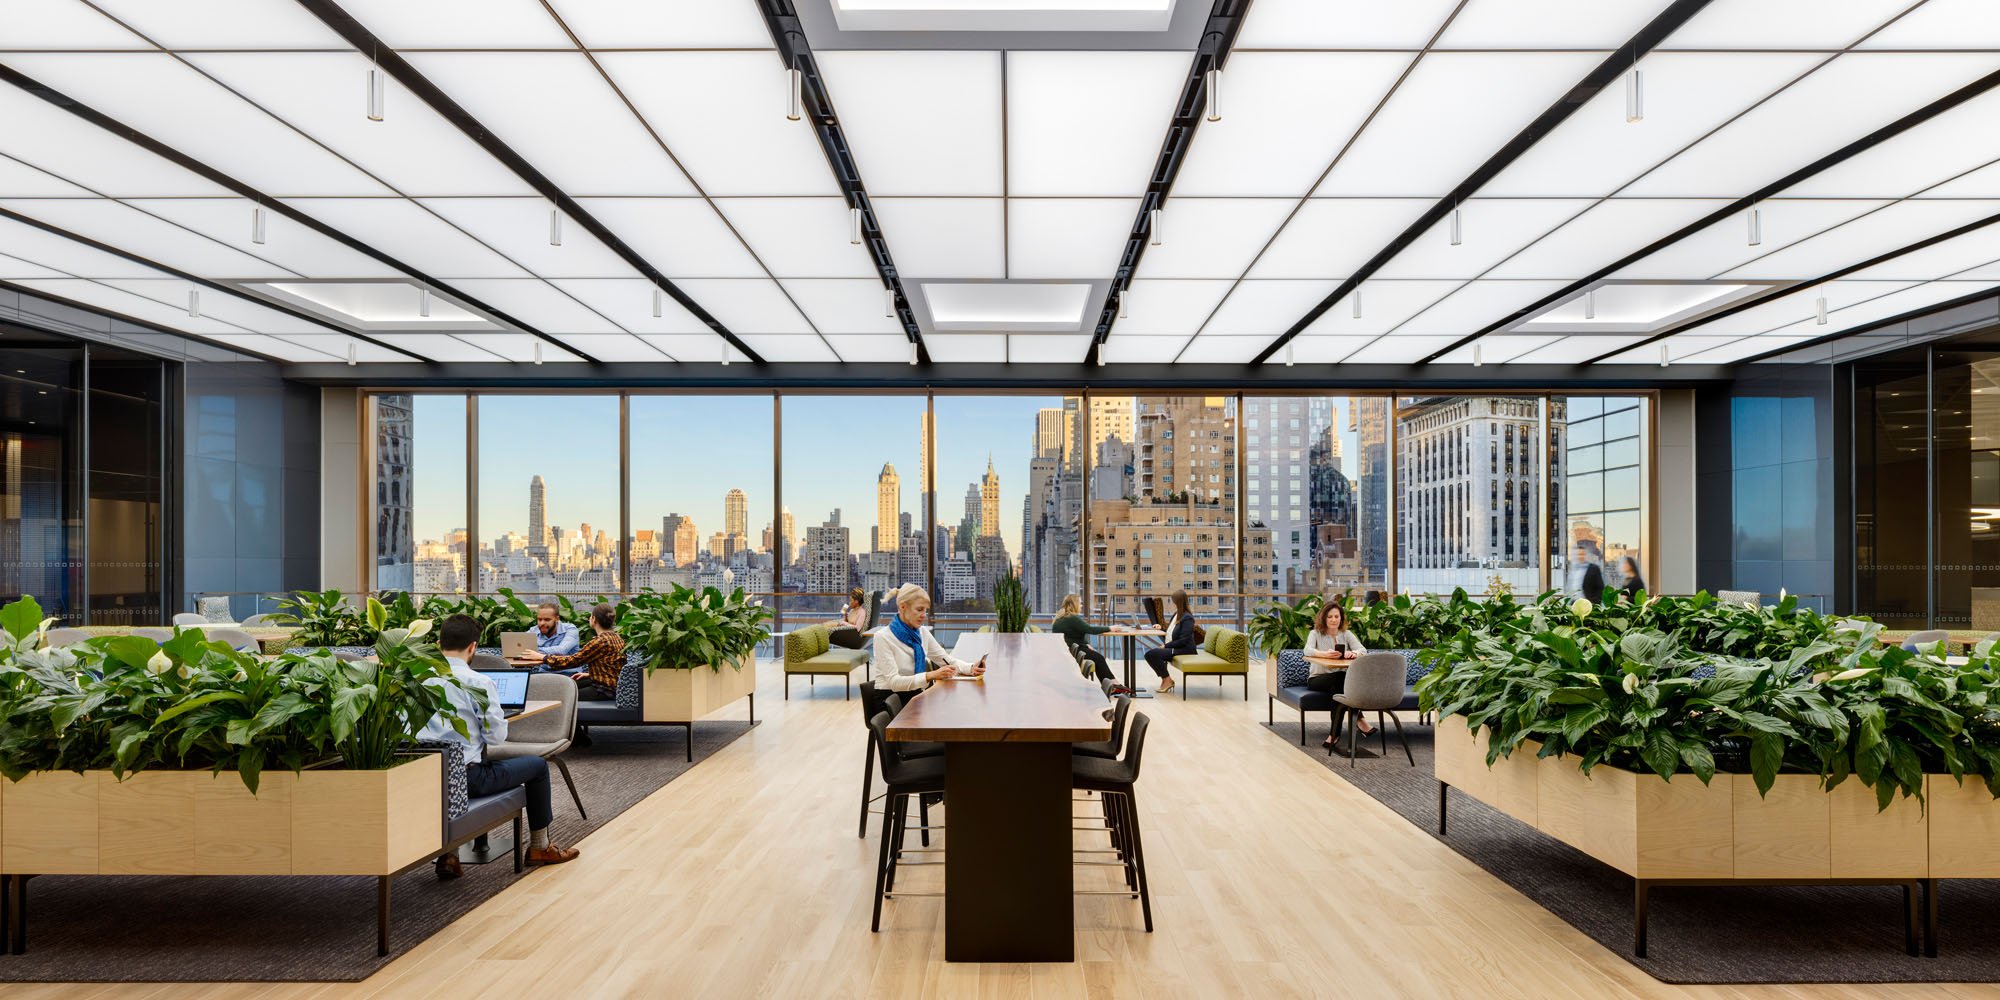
(514, 645)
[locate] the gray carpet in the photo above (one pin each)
(1733, 934)
(282, 928)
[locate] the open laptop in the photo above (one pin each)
(514, 645)
(512, 686)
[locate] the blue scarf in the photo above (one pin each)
(911, 637)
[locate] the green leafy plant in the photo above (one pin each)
(1010, 604)
(322, 618)
(685, 628)
(127, 703)
(1279, 626)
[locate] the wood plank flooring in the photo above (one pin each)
(1271, 878)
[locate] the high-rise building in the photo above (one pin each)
(395, 531)
(1277, 441)
(1368, 419)
(989, 501)
(680, 540)
(888, 510)
(538, 512)
(1154, 548)
(1468, 484)
(926, 495)
(1110, 416)
(1187, 444)
(968, 526)
(825, 557)
(1052, 432)
(736, 514)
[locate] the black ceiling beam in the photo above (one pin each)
(390, 61)
(817, 106)
(1617, 64)
(1784, 290)
(194, 279)
(1858, 146)
(1218, 37)
(1045, 378)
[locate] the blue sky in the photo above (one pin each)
(688, 451)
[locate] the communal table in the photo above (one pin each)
(1008, 863)
(1131, 637)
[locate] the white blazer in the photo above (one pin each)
(894, 666)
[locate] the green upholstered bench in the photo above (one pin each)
(807, 652)
(1225, 651)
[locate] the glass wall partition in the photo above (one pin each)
(41, 478)
(548, 507)
(703, 493)
(127, 476)
(1892, 503)
(1598, 451)
(852, 469)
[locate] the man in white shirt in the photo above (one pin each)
(458, 639)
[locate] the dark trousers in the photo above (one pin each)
(848, 637)
(1158, 657)
(1331, 682)
(491, 777)
(1098, 668)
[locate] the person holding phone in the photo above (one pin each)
(907, 658)
(1329, 647)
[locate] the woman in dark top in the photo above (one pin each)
(1634, 583)
(1071, 625)
(1180, 641)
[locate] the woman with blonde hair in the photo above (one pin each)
(905, 656)
(1076, 631)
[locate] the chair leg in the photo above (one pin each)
(867, 778)
(1382, 730)
(1353, 735)
(1246, 685)
(1302, 727)
(1139, 856)
(690, 742)
(788, 687)
(1120, 808)
(519, 844)
(382, 915)
(571, 782)
(882, 861)
(896, 836)
(924, 820)
(1404, 737)
(847, 681)
(1270, 710)
(753, 708)
(20, 945)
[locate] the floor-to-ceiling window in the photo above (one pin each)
(126, 473)
(852, 467)
(1598, 455)
(420, 511)
(548, 505)
(1163, 503)
(1468, 491)
(1010, 498)
(41, 484)
(1315, 475)
(702, 504)
(1892, 515)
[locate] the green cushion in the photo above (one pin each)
(833, 661)
(1207, 663)
(805, 643)
(1229, 644)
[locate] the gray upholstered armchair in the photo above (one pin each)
(545, 734)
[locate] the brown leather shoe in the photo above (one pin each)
(448, 866)
(550, 855)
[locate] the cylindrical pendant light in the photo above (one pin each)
(1122, 294)
(1357, 302)
(1153, 225)
(1212, 86)
(424, 302)
(854, 220)
(1457, 228)
(1288, 355)
(538, 352)
(351, 353)
(1635, 97)
(795, 90)
(913, 352)
(1663, 355)
(1819, 311)
(659, 305)
(1100, 354)
(889, 303)
(377, 93)
(194, 303)
(1476, 359)
(1756, 227)
(1590, 304)
(555, 227)
(725, 354)
(257, 225)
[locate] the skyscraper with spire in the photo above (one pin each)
(888, 509)
(989, 501)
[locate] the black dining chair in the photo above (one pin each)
(901, 779)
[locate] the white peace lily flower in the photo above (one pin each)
(159, 663)
(184, 672)
(1848, 675)
(420, 628)
(1631, 683)
(240, 676)
(1580, 607)
(1821, 677)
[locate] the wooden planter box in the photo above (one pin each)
(322, 822)
(687, 695)
(1682, 829)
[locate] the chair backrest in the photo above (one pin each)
(63, 637)
(348, 655)
(1750, 597)
(1121, 710)
(1135, 746)
(259, 620)
(874, 608)
(189, 618)
(1374, 682)
(802, 644)
(214, 609)
(1153, 612)
(488, 661)
(155, 634)
(1228, 644)
(236, 638)
(1925, 638)
(557, 725)
(873, 701)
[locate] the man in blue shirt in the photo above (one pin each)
(553, 636)
(458, 639)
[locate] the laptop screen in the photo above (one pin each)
(512, 685)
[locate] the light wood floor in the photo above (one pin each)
(1271, 877)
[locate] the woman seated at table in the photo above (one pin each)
(1180, 641)
(907, 658)
(1328, 647)
(847, 629)
(595, 667)
(1076, 631)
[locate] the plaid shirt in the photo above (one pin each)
(601, 658)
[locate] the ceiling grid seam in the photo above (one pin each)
(390, 61)
(1218, 35)
(1620, 60)
(1338, 156)
(590, 56)
(795, 51)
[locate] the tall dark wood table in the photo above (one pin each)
(1008, 874)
